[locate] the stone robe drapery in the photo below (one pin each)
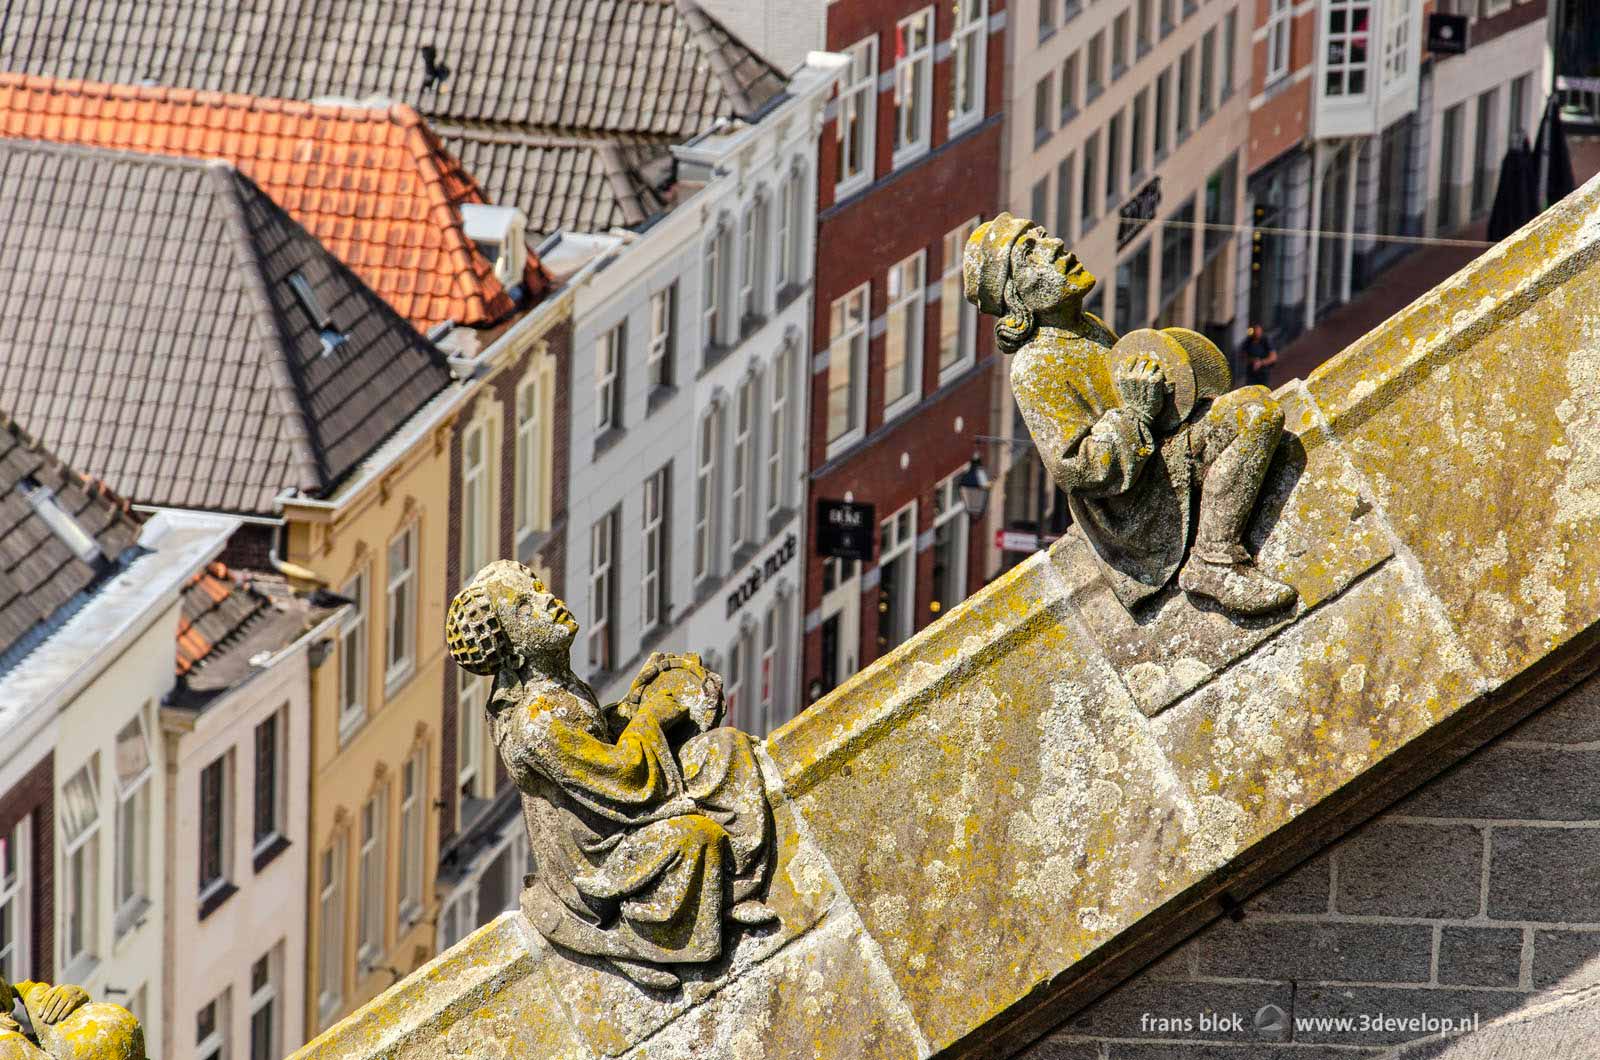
(638, 846)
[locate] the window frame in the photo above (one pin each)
(133, 800)
(913, 78)
(264, 997)
(742, 476)
(898, 544)
(412, 853)
(213, 1044)
(1280, 39)
(16, 900)
(80, 856)
(211, 885)
(473, 773)
(853, 343)
(949, 510)
(1347, 67)
(857, 115)
(372, 879)
(713, 293)
(602, 637)
(529, 414)
(753, 270)
(278, 797)
(912, 304)
(1045, 109)
(969, 50)
(610, 351)
(655, 545)
(778, 431)
(353, 657)
(330, 929)
(661, 352)
(707, 464)
(400, 589)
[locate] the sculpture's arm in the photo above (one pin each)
(1107, 459)
(48, 1004)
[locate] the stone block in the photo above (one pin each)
(1507, 781)
(1566, 960)
(1307, 888)
(1411, 870)
(1470, 956)
(1574, 718)
(1376, 1015)
(1544, 1028)
(1311, 950)
(1545, 874)
(1054, 1048)
(1219, 1012)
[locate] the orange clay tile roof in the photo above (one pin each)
(373, 184)
(215, 609)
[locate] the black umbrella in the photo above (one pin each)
(1516, 200)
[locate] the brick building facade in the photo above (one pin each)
(901, 373)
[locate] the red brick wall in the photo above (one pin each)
(1285, 119)
(35, 794)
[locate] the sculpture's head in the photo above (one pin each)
(1016, 271)
(505, 619)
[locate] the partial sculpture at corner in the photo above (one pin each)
(64, 1024)
(649, 825)
(1143, 434)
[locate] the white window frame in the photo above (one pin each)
(769, 675)
(263, 996)
(215, 1043)
(371, 879)
(1397, 42)
(663, 326)
(654, 543)
(706, 495)
(969, 48)
(738, 678)
(472, 777)
(1346, 67)
(857, 118)
(353, 637)
(477, 499)
(133, 810)
(16, 894)
(413, 838)
(958, 316)
(913, 87)
(741, 498)
(778, 431)
(330, 930)
(789, 237)
(897, 539)
(847, 353)
(907, 286)
(400, 595)
(609, 352)
(280, 787)
(1280, 38)
(950, 510)
(530, 457)
(602, 593)
(753, 263)
(81, 856)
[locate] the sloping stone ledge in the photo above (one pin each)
(989, 827)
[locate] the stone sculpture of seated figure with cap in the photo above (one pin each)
(64, 1024)
(1132, 430)
(649, 825)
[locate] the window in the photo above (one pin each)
(413, 840)
(1119, 46)
(1449, 165)
(847, 366)
(530, 458)
(1136, 135)
(1177, 250)
(133, 823)
(897, 539)
(602, 593)
(270, 787)
(741, 504)
(663, 325)
(902, 359)
(1039, 201)
(1095, 68)
(1047, 18)
(656, 541)
(370, 887)
(1346, 56)
(1069, 88)
(789, 238)
(211, 1029)
(1397, 43)
(1044, 103)
(401, 600)
(1517, 115)
(969, 45)
(913, 84)
(858, 117)
(214, 817)
(1158, 132)
(477, 524)
(472, 733)
(330, 932)
(1066, 177)
(778, 432)
(705, 498)
(950, 528)
(80, 821)
(753, 264)
(332, 338)
(1482, 159)
(264, 1036)
(1091, 166)
(607, 378)
(958, 318)
(768, 675)
(1114, 159)
(1142, 28)
(1169, 18)
(353, 656)
(713, 283)
(1185, 93)
(1208, 47)
(1280, 38)
(1133, 290)
(1230, 45)
(733, 693)
(1221, 190)
(16, 853)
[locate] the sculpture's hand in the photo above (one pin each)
(677, 687)
(61, 1001)
(1143, 387)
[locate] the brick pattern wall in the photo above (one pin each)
(250, 547)
(36, 795)
(1475, 896)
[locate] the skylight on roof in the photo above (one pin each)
(306, 295)
(59, 520)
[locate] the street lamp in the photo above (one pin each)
(974, 487)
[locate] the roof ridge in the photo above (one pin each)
(701, 24)
(117, 90)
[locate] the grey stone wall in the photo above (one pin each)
(1477, 896)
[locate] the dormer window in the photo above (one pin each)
(499, 234)
(59, 520)
(332, 338)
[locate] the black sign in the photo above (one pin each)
(1447, 34)
(1137, 213)
(761, 573)
(845, 530)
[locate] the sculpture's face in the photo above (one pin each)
(544, 624)
(1046, 274)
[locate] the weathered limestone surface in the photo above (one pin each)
(992, 825)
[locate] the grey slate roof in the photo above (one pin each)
(657, 67)
(153, 340)
(41, 574)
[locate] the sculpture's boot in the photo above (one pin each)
(650, 976)
(1237, 585)
(753, 913)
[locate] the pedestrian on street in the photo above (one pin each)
(1259, 355)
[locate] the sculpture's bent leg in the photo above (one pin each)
(721, 775)
(1233, 443)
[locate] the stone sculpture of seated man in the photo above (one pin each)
(649, 826)
(65, 1025)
